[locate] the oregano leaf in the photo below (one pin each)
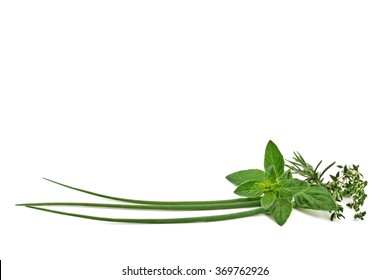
(237, 178)
(270, 174)
(268, 199)
(286, 175)
(292, 187)
(249, 189)
(316, 198)
(280, 210)
(274, 157)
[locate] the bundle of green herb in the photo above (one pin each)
(348, 182)
(272, 191)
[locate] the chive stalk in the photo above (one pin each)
(155, 202)
(214, 218)
(194, 207)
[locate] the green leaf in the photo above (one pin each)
(292, 187)
(249, 189)
(281, 210)
(270, 174)
(274, 157)
(316, 198)
(268, 199)
(242, 176)
(286, 175)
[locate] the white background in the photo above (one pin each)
(161, 100)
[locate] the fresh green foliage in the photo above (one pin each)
(299, 166)
(286, 175)
(272, 191)
(281, 209)
(250, 188)
(273, 157)
(347, 182)
(292, 187)
(237, 178)
(277, 190)
(268, 199)
(316, 198)
(270, 174)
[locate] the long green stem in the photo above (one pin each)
(195, 207)
(214, 218)
(155, 202)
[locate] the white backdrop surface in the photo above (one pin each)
(161, 100)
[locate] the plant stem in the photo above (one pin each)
(155, 202)
(195, 207)
(214, 218)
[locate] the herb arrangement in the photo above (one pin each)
(272, 191)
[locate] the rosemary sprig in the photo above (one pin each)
(347, 182)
